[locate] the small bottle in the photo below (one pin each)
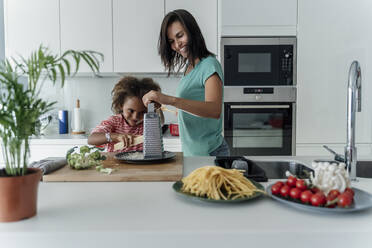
(63, 121)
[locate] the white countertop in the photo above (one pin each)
(151, 214)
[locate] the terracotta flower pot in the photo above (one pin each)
(19, 196)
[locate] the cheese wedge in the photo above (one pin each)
(136, 140)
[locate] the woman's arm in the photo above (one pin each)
(210, 108)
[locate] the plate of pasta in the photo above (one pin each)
(216, 184)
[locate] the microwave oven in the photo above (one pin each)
(259, 61)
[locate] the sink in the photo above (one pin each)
(277, 169)
(364, 169)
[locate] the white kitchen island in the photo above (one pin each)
(151, 214)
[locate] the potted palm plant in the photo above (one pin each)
(20, 108)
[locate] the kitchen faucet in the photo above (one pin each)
(354, 103)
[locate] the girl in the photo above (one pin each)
(200, 92)
(127, 123)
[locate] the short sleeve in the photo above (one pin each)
(211, 67)
(106, 126)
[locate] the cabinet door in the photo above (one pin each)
(257, 17)
(327, 43)
(136, 26)
(87, 25)
(205, 13)
(29, 24)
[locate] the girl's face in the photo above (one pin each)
(133, 110)
(177, 38)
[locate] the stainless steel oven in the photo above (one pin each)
(260, 120)
(259, 61)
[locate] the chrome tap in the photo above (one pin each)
(354, 103)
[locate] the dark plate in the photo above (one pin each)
(127, 157)
(178, 185)
(362, 200)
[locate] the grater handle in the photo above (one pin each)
(151, 107)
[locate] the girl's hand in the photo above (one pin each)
(127, 139)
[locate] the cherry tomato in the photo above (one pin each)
(279, 183)
(284, 191)
(350, 190)
(315, 190)
(344, 200)
(275, 189)
(333, 194)
(318, 199)
(301, 184)
(295, 193)
(306, 196)
(291, 181)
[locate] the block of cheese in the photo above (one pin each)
(136, 140)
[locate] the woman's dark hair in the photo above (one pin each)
(196, 44)
(130, 87)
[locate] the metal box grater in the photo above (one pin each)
(152, 135)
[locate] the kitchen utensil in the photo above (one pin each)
(362, 200)
(174, 129)
(153, 137)
(177, 186)
(77, 127)
(137, 157)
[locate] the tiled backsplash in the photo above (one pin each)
(95, 98)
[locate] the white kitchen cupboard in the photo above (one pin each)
(258, 17)
(136, 27)
(205, 12)
(29, 24)
(327, 43)
(86, 25)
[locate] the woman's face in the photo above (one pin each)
(133, 111)
(177, 38)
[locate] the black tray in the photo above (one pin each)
(255, 172)
(126, 157)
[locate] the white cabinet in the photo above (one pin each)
(29, 24)
(136, 26)
(86, 25)
(205, 13)
(258, 17)
(327, 43)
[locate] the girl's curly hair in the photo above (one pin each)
(130, 87)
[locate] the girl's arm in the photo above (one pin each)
(100, 138)
(210, 108)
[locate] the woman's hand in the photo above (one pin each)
(157, 97)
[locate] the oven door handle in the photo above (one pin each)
(258, 106)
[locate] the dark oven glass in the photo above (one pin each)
(258, 129)
(246, 65)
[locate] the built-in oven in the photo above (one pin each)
(260, 120)
(259, 61)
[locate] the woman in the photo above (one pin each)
(200, 92)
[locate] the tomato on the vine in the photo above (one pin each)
(318, 199)
(350, 191)
(295, 193)
(275, 189)
(291, 181)
(345, 200)
(306, 196)
(301, 184)
(284, 191)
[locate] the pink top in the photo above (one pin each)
(117, 124)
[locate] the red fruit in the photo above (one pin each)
(318, 199)
(349, 190)
(279, 183)
(301, 184)
(333, 194)
(284, 191)
(315, 190)
(306, 196)
(275, 189)
(295, 193)
(291, 181)
(345, 200)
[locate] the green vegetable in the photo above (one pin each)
(84, 158)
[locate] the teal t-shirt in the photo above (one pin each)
(199, 135)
